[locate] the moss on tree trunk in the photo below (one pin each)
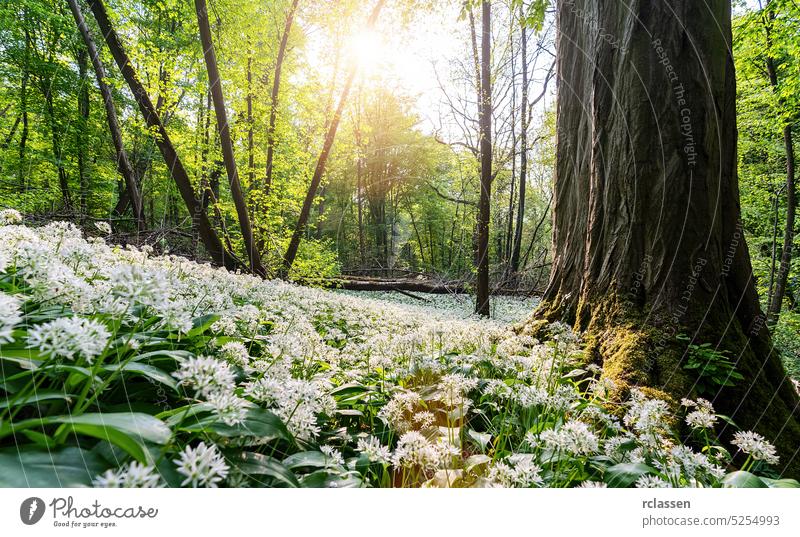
(648, 242)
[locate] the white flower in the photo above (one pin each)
(573, 437)
(133, 475)
(413, 449)
(103, 227)
(203, 466)
(374, 450)
(756, 446)
(10, 217)
(69, 337)
(10, 316)
(651, 482)
(235, 353)
(646, 415)
(592, 485)
(230, 409)
(205, 375)
(334, 456)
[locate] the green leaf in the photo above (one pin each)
(145, 370)
(201, 324)
(40, 395)
(625, 474)
(481, 439)
(258, 422)
(307, 459)
(325, 479)
(70, 467)
(250, 463)
(136, 424)
(743, 480)
(131, 445)
(781, 483)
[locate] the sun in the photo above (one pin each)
(368, 48)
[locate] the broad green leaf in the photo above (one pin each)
(136, 424)
(625, 474)
(743, 480)
(146, 370)
(39, 396)
(70, 467)
(250, 463)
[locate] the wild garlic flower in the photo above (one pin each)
(103, 227)
(9, 217)
(203, 466)
(646, 415)
(132, 475)
(69, 338)
(574, 437)
(413, 449)
(205, 375)
(230, 409)
(516, 471)
(652, 482)
(10, 316)
(235, 353)
(333, 456)
(756, 446)
(374, 450)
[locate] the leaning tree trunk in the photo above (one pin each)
(123, 164)
(647, 238)
(215, 83)
(330, 136)
(179, 174)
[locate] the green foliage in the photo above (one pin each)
(711, 367)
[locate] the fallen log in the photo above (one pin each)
(407, 285)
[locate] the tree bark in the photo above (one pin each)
(207, 233)
(523, 156)
(23, 97)
(225, 138)
(485, 121)
(776, 299)
(294, 243)
(123, 164)
(81, 135)
(276, 87)
(647, 238)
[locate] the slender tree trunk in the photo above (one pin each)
(276, 86)
(485, 120)
(523, 158)
(81, 135)
(291, 251)
(58, 152)
(774, 256)
(180, 176)
(11, 133)
(251, 170)
(123, 164)
(225, 138)
(648, 248)
(23, 97)
(776, 301)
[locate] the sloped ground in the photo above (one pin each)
(124, 369)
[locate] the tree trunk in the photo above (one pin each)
(647, 238)
(776, 299)
(291, 250)
(485, 121)
(225, 138)
(276, 87)
(523, 157)
(81, 135)
(23, 97)
(123, 163)
(180, 176)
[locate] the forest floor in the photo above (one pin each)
(122, 368)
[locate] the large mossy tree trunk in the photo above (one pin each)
(647, 236)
